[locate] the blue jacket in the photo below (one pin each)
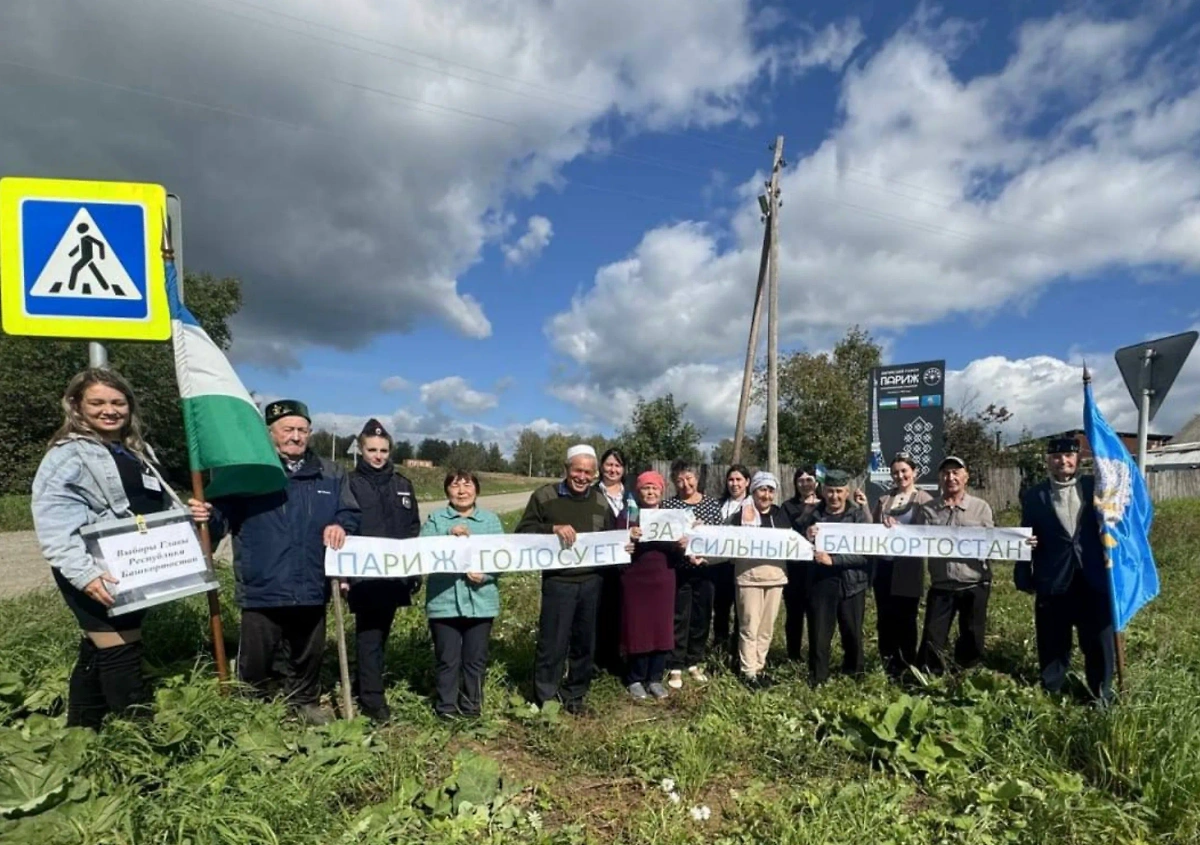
(77, 484)
(278, 546)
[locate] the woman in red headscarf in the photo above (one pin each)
(648, 600)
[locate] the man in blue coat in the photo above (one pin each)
(1068, 573)
(279, 542)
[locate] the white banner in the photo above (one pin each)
(163, 553)
(736, 541)
(380, 557)
(873, 540)
(660, 525)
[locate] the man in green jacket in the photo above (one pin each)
(567, 626)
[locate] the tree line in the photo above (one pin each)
(822, 410)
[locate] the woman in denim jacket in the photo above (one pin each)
(97, 468)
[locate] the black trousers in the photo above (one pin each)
(302, 629)
(372, 625)
(826, 608)
(460, 652)
(566, 635)
(608, 623)
(1082, 609)
(941, 606)
(104, 680)
(795, 603)
(897, 627)
(724, 622)
(693, 617)
(646, 668)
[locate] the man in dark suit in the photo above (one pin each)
(1067, 573)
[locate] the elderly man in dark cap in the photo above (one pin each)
(837, 590)
(1067, 574)
(279, 542)
(958, 586)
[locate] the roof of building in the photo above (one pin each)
(1190, 433)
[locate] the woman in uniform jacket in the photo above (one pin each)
(97, 469)
(389, 509)
(461, 607)
(899, 582)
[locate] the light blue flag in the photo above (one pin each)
(1126, 514)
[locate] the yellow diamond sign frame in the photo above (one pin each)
(83, 259)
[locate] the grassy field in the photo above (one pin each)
(15, 516)
(985, 758)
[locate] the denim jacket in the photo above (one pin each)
(78, 484)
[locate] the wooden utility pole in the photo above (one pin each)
(773, 312)
(752, 346)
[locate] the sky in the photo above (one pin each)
(470, 218)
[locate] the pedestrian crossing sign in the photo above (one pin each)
(83, 259)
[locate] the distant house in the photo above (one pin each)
(1182, 452)
(1153, 441)
(417, 462)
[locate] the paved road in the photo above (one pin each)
(22, 567)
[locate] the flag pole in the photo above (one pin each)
(1118, 637)
(343, 658)
(214, 602)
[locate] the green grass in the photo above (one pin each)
(15, 514)
(984, 758)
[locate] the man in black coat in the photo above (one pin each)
(1068, 573)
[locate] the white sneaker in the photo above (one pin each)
(675, 679)
(698, 674)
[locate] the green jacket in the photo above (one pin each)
(453, 596)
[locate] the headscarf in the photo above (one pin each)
(763, 479)
(651, 477)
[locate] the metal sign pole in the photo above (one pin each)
(97, 355)
(1144, 409)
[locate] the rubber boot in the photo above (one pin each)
(121, 676)
(86, 704)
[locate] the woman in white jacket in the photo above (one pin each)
(760, 582)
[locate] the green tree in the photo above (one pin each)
(722, 453)
(495, 459)
(466, 454)
(660, 431)
(823, 404)
(432, 449)
(973, 437)
(530, 453)
(33, 373)
(402, 451)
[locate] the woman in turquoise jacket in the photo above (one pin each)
(461, 607)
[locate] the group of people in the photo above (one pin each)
(649, 620)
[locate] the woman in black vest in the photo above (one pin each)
(389, 509)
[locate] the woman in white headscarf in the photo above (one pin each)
(760, 582)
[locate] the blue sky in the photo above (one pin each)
(535, 217)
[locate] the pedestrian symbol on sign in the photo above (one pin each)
(84, 265)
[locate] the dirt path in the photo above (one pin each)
(22, 567)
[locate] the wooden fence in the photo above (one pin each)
(1000, 487)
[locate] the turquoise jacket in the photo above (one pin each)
(453, 596)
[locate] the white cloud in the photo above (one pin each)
(413, 125)
(456, 393)
(934, 196)
(830, 47)
(392, 384)
(1045, 394)
(529, 246)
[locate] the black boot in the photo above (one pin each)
(86, 704)
(121, 676)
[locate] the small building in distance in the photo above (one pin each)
(1183, 452)
(1153, 441)
(417, 462)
